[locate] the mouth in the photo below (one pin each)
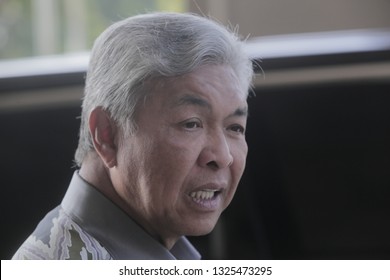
(206, 194)
(206, 199)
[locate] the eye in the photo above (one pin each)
(192, 124)
(237, 128)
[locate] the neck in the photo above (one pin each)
(98, 175)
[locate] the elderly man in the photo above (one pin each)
(162, 142)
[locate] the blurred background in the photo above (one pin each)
(317, 182)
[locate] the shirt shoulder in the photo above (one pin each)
(58, 237)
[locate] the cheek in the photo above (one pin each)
(171, 161)
(178, 149)
(238, 166)
(239, 154)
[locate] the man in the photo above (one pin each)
(162, 142)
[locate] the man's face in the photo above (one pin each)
(180, 170)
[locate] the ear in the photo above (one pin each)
(103, 133)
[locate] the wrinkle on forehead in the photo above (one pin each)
(198, 82)
(228, 80)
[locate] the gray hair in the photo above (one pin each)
(135, 50)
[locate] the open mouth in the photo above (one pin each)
(203, 195)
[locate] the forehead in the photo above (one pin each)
(207, 86)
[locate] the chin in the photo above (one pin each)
(199, 228)
(200, 233)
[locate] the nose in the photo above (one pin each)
(216, 153)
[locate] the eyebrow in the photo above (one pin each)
(192, 100)
(240, 112)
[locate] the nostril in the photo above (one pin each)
(213, 164)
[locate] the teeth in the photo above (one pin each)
(203, 194)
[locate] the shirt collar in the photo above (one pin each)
(114, 229)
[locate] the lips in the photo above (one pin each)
(203, 194)
(207, 197)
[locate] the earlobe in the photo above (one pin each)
(103, 133)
